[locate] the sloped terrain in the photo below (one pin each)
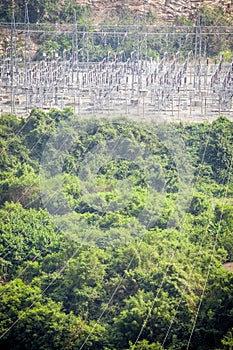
(166, 10)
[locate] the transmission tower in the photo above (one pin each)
(13, 61)
(27, 56)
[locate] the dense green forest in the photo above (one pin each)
(114, 233)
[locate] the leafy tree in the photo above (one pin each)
(29, 320)
(26, 235)
(216, 311)
(219, 149)
(224, 223)
(81, 285)
(145, 345)
(227, 340)
(199, 204)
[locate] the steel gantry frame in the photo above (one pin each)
(169, 85)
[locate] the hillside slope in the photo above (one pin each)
(163, 10)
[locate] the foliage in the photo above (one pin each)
(41, 10)
(39, 322)
(116, 252)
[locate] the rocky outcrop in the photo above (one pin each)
(164, 10)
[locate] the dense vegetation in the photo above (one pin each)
(114, 234)
(41, 11)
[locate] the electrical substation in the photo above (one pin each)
(184, 84)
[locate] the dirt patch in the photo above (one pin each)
(228, 266)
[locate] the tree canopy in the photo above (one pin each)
(114, 233)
